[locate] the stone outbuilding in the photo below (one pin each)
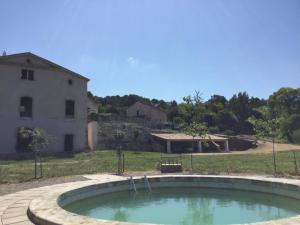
(92, 105)
(153, 114)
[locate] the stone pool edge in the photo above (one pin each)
(45, 210)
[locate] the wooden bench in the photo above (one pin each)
(170, 164)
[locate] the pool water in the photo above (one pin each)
(187, 206)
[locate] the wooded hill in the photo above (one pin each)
(229, 116)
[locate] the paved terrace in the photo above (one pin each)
(13, 207)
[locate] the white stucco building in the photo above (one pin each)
(37, 93)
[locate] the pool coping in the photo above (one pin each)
(46, 210)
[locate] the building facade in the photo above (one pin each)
(154, 115)
(37, 93)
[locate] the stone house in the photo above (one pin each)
(37, 93)
(151, 113)
(92, 105)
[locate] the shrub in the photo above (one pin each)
(229, 132)
(296, 136)
(213, 130)
(93, 117)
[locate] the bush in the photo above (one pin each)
(213, 130)
(229, 132)
(93, 117)
(3, 173)
(296, 136)
(290, 126)
(178, 122)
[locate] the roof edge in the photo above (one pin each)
(47, 62)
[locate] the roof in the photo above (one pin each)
(29, 54)
(184, 137)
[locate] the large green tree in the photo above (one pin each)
(285, 101)
(291, 127)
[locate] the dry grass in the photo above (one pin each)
(106, 161)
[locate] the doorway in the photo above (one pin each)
(69, 143)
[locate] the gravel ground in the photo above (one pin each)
(12, 188)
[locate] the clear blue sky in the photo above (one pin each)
(162, 49)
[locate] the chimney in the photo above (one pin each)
(4, 53)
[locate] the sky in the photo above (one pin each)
(163, 49)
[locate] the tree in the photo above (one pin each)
(240, 105)
(195, 130)
(119, 136)
(172, 110)
(216, 103)
(285, 101)
(192, 108)
(291, 125)
(210, 118)
(227, 120)
(266, 128)
(39, 140)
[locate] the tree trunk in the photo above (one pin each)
(119, 153)
(123, 163)
(274, 157)
(295, 163)
(192, 155)
(35, 165)
(41, 165)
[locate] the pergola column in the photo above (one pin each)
(199, 146)
(226, 146)
(169, 150)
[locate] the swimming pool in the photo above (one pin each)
(173, 200)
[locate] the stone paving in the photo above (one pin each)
(13, 207)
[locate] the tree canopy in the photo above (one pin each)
(221, 114)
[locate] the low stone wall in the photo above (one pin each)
(136, 137)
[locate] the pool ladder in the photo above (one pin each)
(132, 185)
(147, 184)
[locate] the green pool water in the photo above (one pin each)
(187, 206)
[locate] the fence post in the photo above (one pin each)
(295, 162)
(192, 162)
(123, 162)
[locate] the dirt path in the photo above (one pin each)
(262, 148)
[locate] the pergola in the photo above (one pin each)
(180, 137)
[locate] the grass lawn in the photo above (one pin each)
(106, 161)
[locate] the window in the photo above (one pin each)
(70, 81)
(30, 75)
(70, 108)
(24, 75)
(26, 107)
(27, 74)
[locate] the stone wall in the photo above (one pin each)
(136, 136)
